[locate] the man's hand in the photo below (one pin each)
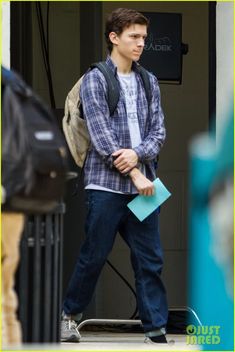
(125, 160)
(143, 185)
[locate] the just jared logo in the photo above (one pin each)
(203, 335)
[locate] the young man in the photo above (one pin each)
(120, 164)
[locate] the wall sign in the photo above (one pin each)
(162, 54)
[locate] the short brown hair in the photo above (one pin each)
(120, 19)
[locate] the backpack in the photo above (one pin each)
(74, 125)
(34, 157)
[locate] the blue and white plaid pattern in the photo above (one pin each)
(110, 133)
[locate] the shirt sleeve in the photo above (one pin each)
(151, 145)
(97, 116)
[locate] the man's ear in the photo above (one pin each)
(113, 37)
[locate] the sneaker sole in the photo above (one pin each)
(72, 338)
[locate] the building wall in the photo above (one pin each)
(64, 49)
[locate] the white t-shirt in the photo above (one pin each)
(129, 87)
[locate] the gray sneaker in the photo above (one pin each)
(69, 329)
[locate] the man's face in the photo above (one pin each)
(130, 43)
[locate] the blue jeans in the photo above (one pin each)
(107, 215)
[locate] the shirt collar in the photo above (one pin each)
(113, 67)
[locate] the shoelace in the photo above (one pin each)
(71, 325)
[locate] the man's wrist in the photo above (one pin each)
(139, 152)
(129, 172)
(133, 173)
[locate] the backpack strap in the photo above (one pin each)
(145, 78)
(113, 86)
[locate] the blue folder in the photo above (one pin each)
(143, 206)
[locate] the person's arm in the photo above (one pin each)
(150, 147)
(142, 184)
(97, 116)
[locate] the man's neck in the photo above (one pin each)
(123, 65)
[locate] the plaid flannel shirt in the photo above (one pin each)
(110, 133)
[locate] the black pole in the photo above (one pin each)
(212, 66)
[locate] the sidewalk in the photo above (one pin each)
(106, 341)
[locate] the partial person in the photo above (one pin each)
(120, 164)
(12, 224)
